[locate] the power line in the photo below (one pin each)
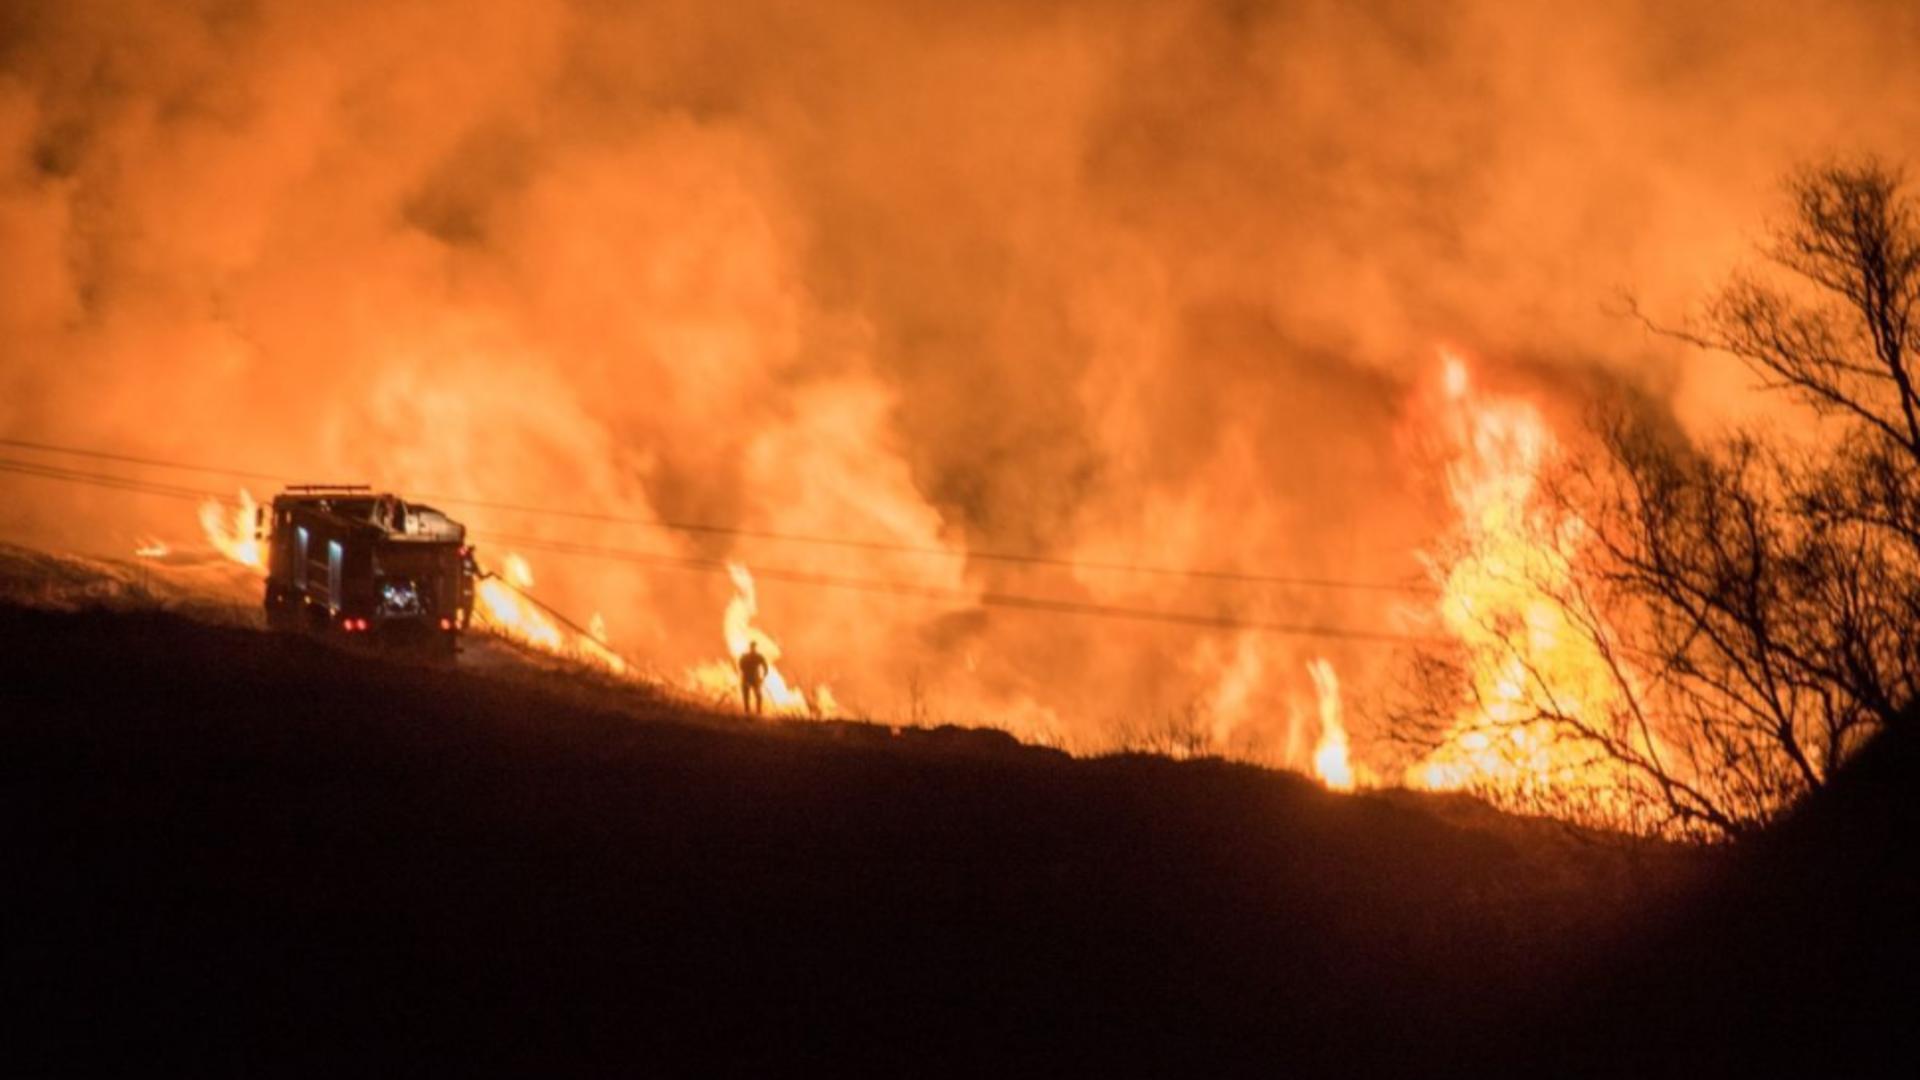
(882, 546)
(844, 543)
(130, 459)
(800, 577)
(935, 592)
(108, 480)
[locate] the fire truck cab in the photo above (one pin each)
(346, 560)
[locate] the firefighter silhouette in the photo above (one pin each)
(753, 672)
(470, 575)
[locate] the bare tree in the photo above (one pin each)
(1751, 635)
(1838, 332)
(1745, 609)
(1597, 688)
(1831, 321)
(1829, 318)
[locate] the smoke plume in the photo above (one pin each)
(1108, 282)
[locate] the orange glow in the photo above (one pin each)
(231, 531)
(501, 607)
(720, 679)
(654, 262)
(151, 547)
(1330, 762)
(595, 644)
(1453, 375)
(1504, 589)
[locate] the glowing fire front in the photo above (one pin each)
(503, 606)
(1330, 761)
(1533, 673)
(231, 530)
(498, 605)
(719, 680)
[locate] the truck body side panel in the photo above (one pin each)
(352, 562)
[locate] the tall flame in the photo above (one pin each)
(1330, 761)
(721, 679)
(503, 609)
(595, 644)
(231, 531)
(1504, 600)
(501, 605)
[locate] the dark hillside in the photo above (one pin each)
(1801, 958)
(231, 850)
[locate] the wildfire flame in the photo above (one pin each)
(1330, 762)
(595, 645)
(502, 609)
(501, 606)
(230, 531)
(151, 547)
(1501, 600)
(720, 679)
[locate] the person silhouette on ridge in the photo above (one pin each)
(753, 672)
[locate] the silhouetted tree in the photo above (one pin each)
(1750, 633)
(1838, 332)
(1830, 320)
(1746, 607)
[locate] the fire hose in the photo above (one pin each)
(556, 614)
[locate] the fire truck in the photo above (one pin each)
(346, 560)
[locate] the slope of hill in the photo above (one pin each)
(241, 853)
(1800, 956)
(236, 850)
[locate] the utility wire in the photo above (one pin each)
(108, 480)
(935, 592)
(882, 546)
(845, 543)
(130, 459)
(800, 577)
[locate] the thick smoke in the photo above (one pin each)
(1112, 282)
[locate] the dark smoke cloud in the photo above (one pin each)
(1119, 281)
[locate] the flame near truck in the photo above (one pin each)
(345, 560)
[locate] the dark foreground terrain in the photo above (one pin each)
(236, 854)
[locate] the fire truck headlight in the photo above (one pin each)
(399, 597)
